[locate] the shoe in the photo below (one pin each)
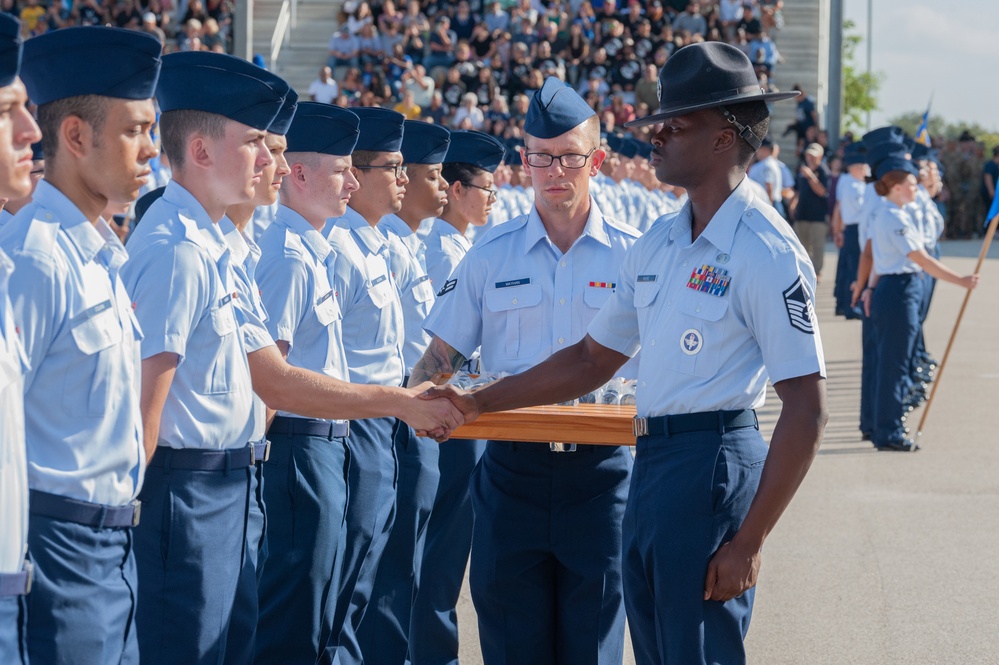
(865, 436)
(904, 446)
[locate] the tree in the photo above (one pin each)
(860, 89)
(941, 130)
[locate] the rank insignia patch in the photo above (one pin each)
(448, 287)
(710, 280)
(799, 307)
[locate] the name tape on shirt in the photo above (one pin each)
(799, 307)
(329, 294)
(422, 278)
(647, 278)
(91, 312)
(448, 287)
(378, 280)
(710, 280)
(513, 282)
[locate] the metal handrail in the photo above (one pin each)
(282, 28)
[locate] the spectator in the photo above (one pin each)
(657, 17)
(408, 107)
(628, 70)
(729, 12)
(442, 44)
(633, 16)
(127, 14)
(415, 17)
(466, 66)
(463, 22)
(811, 206)
(390, 37)
(691, 20)
(343, 49)
(352, 85)
(622, 111)
(453, 89)
(496, 20)
(421, 85)
(806, 117)
(647, 89)
(190, 39)
(526, 36)
(195, 10)
(390, 17)
(990, 177)
(150, 27)
(31, 14)
(324, 89)
(89, 12)
(360, 17)
(369, 46)
(397, 66)
(576, 51)
(499, 112)
(211, 37)
(749, 22)
(439, 110)
(413, 43)
(763, 52)
(485, 88)
(482, 43)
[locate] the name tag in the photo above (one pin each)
(378, 280)
(91, 312)
(422, 279)
(225, 300)
(513, 282)
(329, 294)
(647, 278)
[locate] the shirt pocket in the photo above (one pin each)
(87, 384)
(423, 291)
(221, 351)
(699, 330)
(646, 294)
(596, 297)
(380, 291)
(329, 314)
(521, 318)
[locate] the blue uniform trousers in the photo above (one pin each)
(868, 374)
(929, 286)
(384, 632)
(13, 642)
(242, 637)
(306, 496)
(546, 553)
(433, 630)
(188, 547)
(82, 604)
(846, 271)
(895, 308)
(689, 495)
(371, 484)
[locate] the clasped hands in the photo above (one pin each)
(439, 410)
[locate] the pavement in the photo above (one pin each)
(886, 558)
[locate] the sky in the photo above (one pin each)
(945, 48)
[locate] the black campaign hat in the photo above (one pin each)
(704, 76)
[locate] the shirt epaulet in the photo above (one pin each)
(766, 230)
(293, 245)
(503, 229)
(626, 229)
(41, 235)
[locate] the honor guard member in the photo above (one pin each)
(197, 395)
(93, 87)
(372, 339)
(545, 566)
(850, 189)
(17, 131)
(719, 297)
(471, 160)
(384, 630)
(236, 227)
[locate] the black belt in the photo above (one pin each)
(16, 584)
(306, 427)
(89, 514)
(198, 459)
(708, 421)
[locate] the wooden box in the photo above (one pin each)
(606, 424)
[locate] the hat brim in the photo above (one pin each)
(715, 103)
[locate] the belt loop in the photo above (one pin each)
(721, 422)
(756, 419)
(164, 450)
(228, 462)
(330, 432)
(102, 516)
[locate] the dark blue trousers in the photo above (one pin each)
(546, 553)
(433, 631)
(895, 308)
(306, 496)
(82, 604)
(384, 631)
(929, 286)
(689, 495)
(846, 270)
(868, 374)
(188, 547)
(242, 637)
(13, 637)
(371, 486)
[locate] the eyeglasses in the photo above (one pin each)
(542, 160)
(492, 192)
(399, 169)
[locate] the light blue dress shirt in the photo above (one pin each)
(5, 216)
(933, 221)
(296, 282)
(446, 247)
(13, 461)
(407, 258)
(83, 424)
(522, 299)
(868, 209)
(372, 312)
(850, 194)
(894, 235)
(182, 276)
(713, 349)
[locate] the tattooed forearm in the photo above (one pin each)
(438, 360)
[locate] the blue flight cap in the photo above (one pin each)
(36, 151)
(854, 154)
(221, 84)
(896, 164)
(144, 201)
(644, 149)
(10, 49)
(891, 133)
(424, 143)
(555, 109)
(380, 129)
(882, 151)
(614, 142)
(323, 128)
(513, 157)
(920, 151)
(475, 148)
(282, 122)
(629, 147)
(95, 60)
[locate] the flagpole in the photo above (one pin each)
(986, 243)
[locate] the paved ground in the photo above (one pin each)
(887, 558)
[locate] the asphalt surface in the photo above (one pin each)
(886, 558)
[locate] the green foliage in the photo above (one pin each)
(941, 130)
(860, 88)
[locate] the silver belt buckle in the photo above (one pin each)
(559, 447)
(640, 427)
(136, 512)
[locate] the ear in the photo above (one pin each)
(76, 136)
(727, 139)
(199, 151)
(599, 156)
(299, 175)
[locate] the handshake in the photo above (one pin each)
(436, 411)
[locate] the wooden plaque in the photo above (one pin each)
(606, 424)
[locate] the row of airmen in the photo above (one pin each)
(888, 228)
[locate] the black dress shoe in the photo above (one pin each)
(865, 436)
(904, 446)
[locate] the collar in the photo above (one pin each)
(720, 231)
(372, 240)
(535, 229)
(445, 228)
(313, 239)
(237, 243)
(198, 226)
(58, 208)
(396, 225)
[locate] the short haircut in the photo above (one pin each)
(460, 172)
(364, 157)
(756, 116)
(176, 128)
(92, 109)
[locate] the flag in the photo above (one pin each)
(994, 210)
(923, 133)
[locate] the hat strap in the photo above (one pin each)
(744, 131)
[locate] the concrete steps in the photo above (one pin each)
(304, 51)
